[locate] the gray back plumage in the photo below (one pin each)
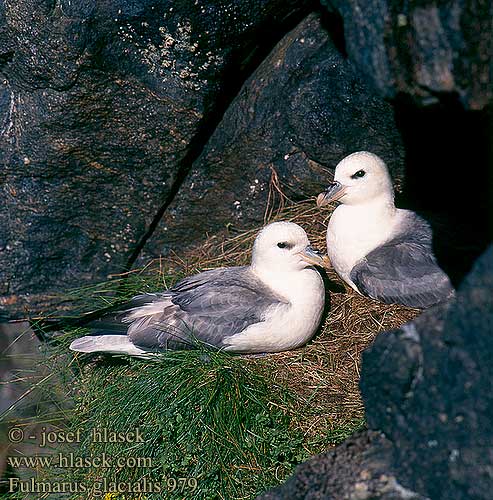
(206, 308)
(404, 270)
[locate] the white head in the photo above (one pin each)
(359, 178)
(283, 246)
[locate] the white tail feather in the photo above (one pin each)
(114, 344)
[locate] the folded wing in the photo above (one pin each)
(404, 270)
(204, 308)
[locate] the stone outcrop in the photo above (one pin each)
(422, 49)
(295, 118)
(103, 106)
(358, 469)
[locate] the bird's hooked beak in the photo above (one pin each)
(314, 258)
(334, 191)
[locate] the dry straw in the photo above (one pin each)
(325, 373)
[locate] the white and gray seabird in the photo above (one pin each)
(379, 250)
(274, 304)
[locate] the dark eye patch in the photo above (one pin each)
(359, 173)
(285, 244)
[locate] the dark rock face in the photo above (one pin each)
(358, 469)
(428, 387)
(305, 107)
(422, 48)
(101, 106)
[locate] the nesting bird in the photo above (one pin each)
(274, 304)
(379, 250)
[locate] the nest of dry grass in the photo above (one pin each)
(325, 373)
(241, 422)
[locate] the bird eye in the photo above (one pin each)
(283, 244)
(359, 173)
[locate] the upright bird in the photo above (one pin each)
(274, 304)
(379, 250)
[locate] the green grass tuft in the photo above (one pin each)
(212, 425)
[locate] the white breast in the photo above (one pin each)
(287, 325)
(354, 231)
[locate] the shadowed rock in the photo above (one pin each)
(423, 49)
(358, 469)
(428, 387)
(303, 109)
(102, 105)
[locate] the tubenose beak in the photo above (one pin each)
(334, 192)
(314, 258)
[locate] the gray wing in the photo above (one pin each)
(207, 308)
(404, 270)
